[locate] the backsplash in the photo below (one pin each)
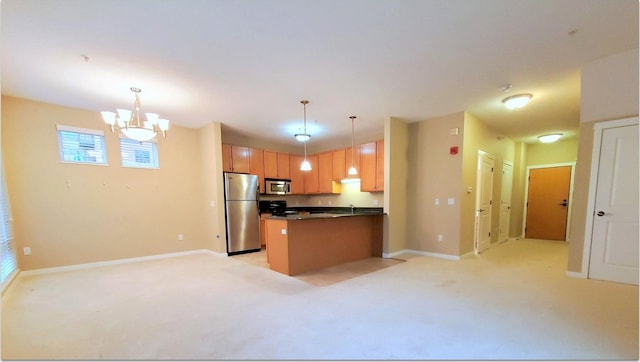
(350, 195)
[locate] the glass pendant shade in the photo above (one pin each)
(305, 166)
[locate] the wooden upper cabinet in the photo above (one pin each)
(311, 184)
(296, 176)
(283, 165)
(372, 166)
(226, 158)
(256, 165)
(338, 161)
(325, 172)
(276, 165)
(235, 158)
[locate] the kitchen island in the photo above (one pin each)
(302, 243)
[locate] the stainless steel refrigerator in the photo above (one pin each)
(241, 211)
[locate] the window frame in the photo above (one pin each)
(154, 163)
(82, 131)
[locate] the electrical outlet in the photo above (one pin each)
(440, 238)
(283, 231)
(180, 237)
(375, 201)
(27, 250)
(329, 203)
(436, 202)
(451, 201)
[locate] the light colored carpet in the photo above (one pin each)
(512, 302)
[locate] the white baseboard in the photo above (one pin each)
(423, 253)
(7, 282)
(118, 261)
(579, 275)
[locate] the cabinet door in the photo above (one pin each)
(240, 159)
(226, 158)
(338, 161)
(380, 165)
(325, 172)
(311, 177)
(368, 164)
(283, 165)
(270, 164)
(297, 176)
(256, 165)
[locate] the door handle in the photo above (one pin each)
(563, 204)
(480, 210)
(601, 213)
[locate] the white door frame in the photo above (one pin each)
(526, 194)
(591, 200)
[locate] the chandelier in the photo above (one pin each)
(128, 122)
(304, 137)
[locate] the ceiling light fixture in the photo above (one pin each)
(129, 122)
(517, 101)
(352, 174)
(305, 166)
(549, 138)
(352, 170)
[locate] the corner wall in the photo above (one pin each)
(396, 166)
(434, 174)
(609, 89)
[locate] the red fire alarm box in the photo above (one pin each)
(453, 150)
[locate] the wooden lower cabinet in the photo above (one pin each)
(313, 244)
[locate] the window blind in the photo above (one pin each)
(81, 145)
(7, 251)
(139, 154)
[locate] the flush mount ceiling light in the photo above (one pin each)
(128, 122)
(305, 166)
(549, 138)
(517, 101)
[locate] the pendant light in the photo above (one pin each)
(305, 166)
(352, 169)
(352, 174)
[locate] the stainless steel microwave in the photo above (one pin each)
(277, 186)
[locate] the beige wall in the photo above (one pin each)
(214, 229)
(609, 89)
(550, 153)
(396, 169)
(518, 190)
(72, 213)
(434, 173)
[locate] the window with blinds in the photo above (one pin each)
(7, 252)
(139, 154)
(80, 145)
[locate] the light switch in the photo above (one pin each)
(450, 201)
(283, 231)
(212, 203)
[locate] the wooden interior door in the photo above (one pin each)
(614, 239)
(548, 203)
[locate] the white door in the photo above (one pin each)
(614, 239)
(505, 200)
(484, 187)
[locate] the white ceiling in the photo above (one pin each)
(248, 63)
